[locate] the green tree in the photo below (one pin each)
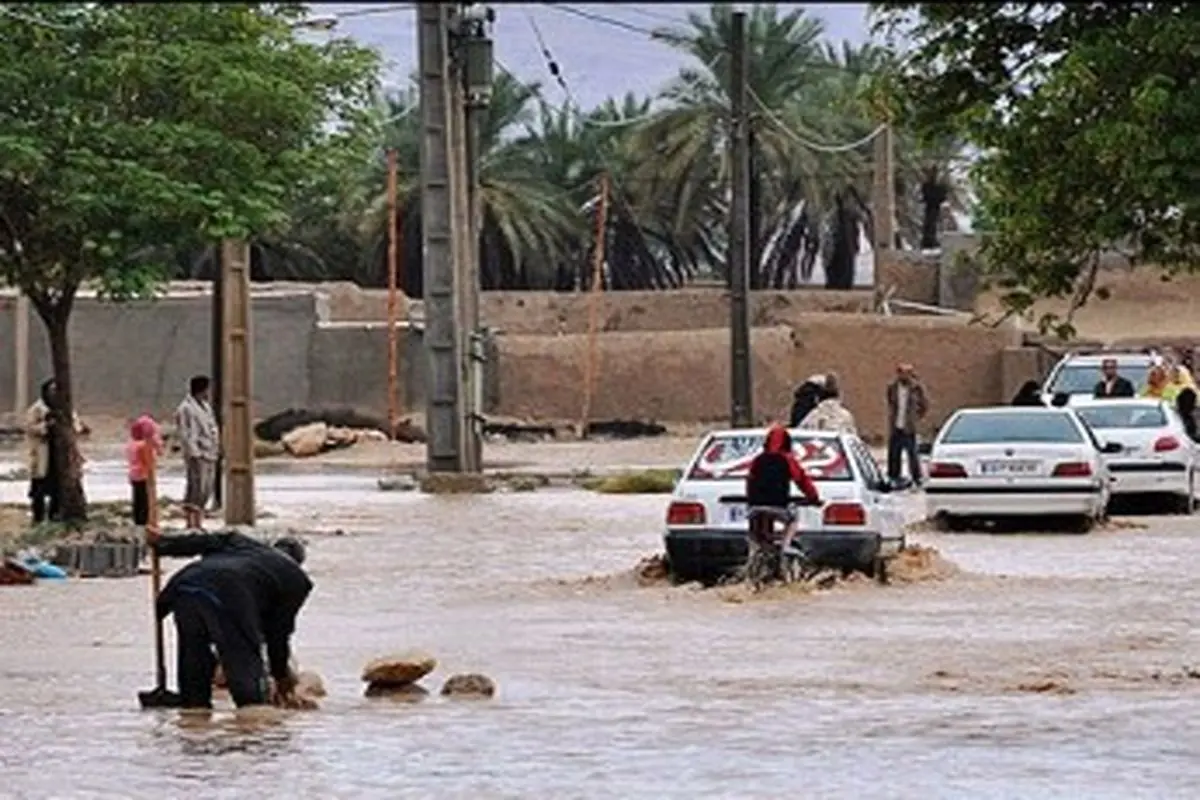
(126, 126)
(1085, 115)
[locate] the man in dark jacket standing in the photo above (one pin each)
(240, 596)
(1111, 383)
(907, 404)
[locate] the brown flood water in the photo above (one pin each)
(1047, 666)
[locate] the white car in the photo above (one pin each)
(706, 519)
(1076, 375)
(1156, 456)
(1005, 462)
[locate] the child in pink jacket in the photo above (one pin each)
(145, 443)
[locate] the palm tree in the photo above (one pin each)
(790, 184)
(528, 223)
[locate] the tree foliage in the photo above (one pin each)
(126, 127)
(1086, 117)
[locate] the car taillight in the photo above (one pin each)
(1165, 444)
(685, 513)
(946, 469)
(844, 514)
(1073, 469)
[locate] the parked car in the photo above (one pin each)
(1012, 462)
(706, 522)
(1153, 454)
(1076, 375)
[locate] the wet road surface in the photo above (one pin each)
(1049, 666)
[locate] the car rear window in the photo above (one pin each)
(727, 458)
(1117, 415)
(1082, 378)
(1040, 426)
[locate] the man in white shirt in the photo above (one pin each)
(196, 426)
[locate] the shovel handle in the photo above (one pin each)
(160, 652)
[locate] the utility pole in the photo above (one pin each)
(392, 237)
(441, 240)
(741, 411)
(239, 393)
(883, 201)
(472, 49)
(217, 341)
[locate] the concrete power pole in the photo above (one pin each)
(441, 240)
(238, 371)
(474, 63)
(742, 410)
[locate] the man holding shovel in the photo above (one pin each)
(239, 596)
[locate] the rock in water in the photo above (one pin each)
(471, 684)
(310, 684)
(409, 693)
(307, 440)
(399, 670)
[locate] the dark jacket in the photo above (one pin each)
(918, 405)
(772, 473)
(1030, 394)
(259, 588)
(1122, 387)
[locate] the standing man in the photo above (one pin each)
(200, 440)
(907, 404)
(1111, 384)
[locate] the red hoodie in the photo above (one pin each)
(767, 483)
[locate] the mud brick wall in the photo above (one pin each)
(683, 376)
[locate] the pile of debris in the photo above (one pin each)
(397, 677)
(306, 432)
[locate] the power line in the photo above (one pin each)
(820, 148)
(681, 38)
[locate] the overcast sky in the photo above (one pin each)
(599, 59)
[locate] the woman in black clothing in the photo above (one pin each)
(1185, 404)
(1030, 394)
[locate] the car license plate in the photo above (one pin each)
(1008, 467)
(735, 514)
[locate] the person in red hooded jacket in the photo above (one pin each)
(769, 485)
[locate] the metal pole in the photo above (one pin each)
(21, 355)
(439, 242)
(741, 412)
(217, 366)
(238, 354)
(391, 298)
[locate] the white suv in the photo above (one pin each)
(1077, 375)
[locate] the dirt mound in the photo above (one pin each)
(917, 563)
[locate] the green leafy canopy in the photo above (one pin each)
(1086, 115)
(127, 126)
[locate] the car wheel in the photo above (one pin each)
(1082, 524)
(950, 523)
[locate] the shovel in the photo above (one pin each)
(159, 696)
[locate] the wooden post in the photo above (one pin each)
(594, 296)
(239, 394)
(393, 412)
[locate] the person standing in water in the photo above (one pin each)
(200, 441)
(144, 445)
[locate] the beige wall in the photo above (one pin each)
(683, 376)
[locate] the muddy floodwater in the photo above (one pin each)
(1048, 666)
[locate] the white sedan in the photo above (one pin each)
(706, 520)
(1155, 455)
(1007, 462)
